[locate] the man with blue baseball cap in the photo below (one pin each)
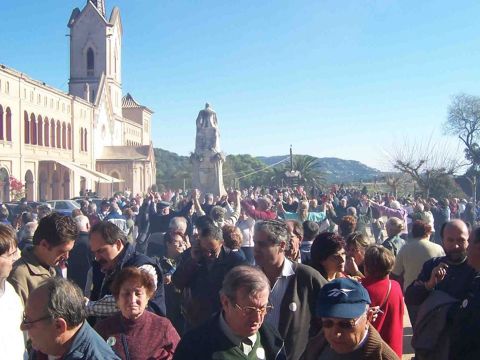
(342, 306)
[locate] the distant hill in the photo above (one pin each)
(336, 170)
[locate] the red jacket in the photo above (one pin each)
(389, 323)
(250, 210)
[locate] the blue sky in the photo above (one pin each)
(343, 78)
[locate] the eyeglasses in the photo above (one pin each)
(251, 310)
(342, 324)
(26, 322)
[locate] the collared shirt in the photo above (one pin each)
(235, 339)
(278, 292)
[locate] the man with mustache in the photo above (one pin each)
(450, 273)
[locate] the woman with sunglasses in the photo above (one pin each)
(342, 306)
(11, 309)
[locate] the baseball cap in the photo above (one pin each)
(342, 298)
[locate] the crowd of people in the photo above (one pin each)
(254, 274)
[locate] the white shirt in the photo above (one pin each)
(278, 292)
(11, 313)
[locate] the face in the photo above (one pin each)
(104, 253)
(176, 246)
(132, 299)
(41, 329)
(210, 248)
(265, 251)
(6, 262)
(165, 211)
(335, 262)
(344, 335)
(473, 253)
(240, 315)
(455, 241)
(295, 240)
(53, 255)
(357, 252)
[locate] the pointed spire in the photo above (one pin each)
(100, 5)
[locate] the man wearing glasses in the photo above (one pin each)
(238, 331)
(342, 306)
(55, 322)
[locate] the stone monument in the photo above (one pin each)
(208, 159)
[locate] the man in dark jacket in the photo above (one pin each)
(112, 253)
(294, 287)
(80, 259)
(238, 331)
(200, 276)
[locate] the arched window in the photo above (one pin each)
(1, 123)
(59, 139)
(64, 135)
(40, 130)
(47, 132)
(33, 129)
(52, 133)
(26, 124)
(85, 140)
(8, 126)
(69, 137)
(90, 62)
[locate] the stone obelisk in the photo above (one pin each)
(207, 160)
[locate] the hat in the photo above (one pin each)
(163, 204)
(342, 298)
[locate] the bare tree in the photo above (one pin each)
(394, 181)
(463, 121)
(424, 162)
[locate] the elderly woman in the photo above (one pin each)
(394, 242)
(328, 255)
(302, 213)
(342, 306)
(357, 243)
(134, 333)
(386, 296)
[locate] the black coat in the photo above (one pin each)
(80, 261)
(206, 340)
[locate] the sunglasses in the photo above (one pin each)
(342, 324)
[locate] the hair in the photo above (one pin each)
(92, 208)
(76, 212)
(55, 229)
(302, 210)
(109, 232)
(310, 230)
(395, 205)
(357, 240)
(211, 232)
(27, 217)
(248, 278)
(82, 222)
(43, 210)
(217, 213)
(232, 236)
(325, 245)
(65, 300)
(347, 225)
(3, 212)
(378, 261)
(352, 211)
(203, 222)
(264, 203)
(30, 229)
(177, 223)
(297, 227)
(394, 226)
(276, 231)
(7, 238)
(128, 213)
(132, 273)
(420, 229)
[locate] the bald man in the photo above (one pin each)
(450, 273)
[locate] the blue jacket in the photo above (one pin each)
(86, 345)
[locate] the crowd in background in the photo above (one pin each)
(257, 273)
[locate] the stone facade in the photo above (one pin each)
(59, 144)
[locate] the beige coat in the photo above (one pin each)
(27, 274)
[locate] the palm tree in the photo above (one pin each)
(309, 169)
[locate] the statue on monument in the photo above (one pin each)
(208, 159)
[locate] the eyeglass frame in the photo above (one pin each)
(260, 311)
(349, 324)
(26, 323)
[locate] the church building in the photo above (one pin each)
(93, 138)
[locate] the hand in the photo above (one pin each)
(437, 275)
(351, 266)
(167, 279)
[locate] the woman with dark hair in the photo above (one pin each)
(328, 255)
(134, 333)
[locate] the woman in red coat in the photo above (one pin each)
(386, 296)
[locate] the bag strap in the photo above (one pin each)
(388, 294)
